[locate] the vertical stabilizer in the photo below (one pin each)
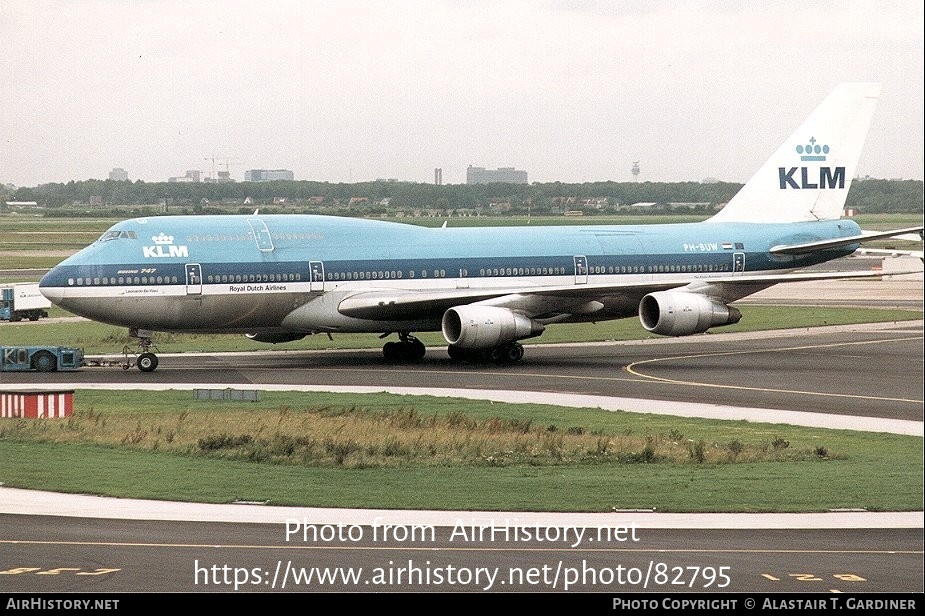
(809, 176)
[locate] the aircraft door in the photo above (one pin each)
(193, 279)
(316, 275)
(581, 270)
(462, 282)
(738, 262)
(261, 234)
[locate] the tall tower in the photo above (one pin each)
(635, 170)
(438, 176)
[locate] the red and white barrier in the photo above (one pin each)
(36, 404)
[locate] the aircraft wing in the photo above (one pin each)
(549, 302)
(398, 304)
(915, 233)
(730, 289)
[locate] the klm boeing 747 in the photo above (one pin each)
(279, 278)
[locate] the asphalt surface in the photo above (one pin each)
(459, 552)
(787, 376)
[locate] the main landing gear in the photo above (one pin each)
(408, 348)
(509, 353)
(146, 360)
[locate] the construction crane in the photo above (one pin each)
(227, 161)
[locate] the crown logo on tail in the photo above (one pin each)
(812, 151)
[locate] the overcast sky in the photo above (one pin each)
(349, 91)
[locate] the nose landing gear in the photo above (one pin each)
(146, 360)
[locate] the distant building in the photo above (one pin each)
(224, 177)
(508, 175)
(438, 176)
(268, 175)
(193, 175)
(690, 205)
(119, 174)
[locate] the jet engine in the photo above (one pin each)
(483, 327)
(275, 337)
(677, 313)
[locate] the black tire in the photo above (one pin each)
(417, 350)
(499, 354)
(43, 361)
(515, 352)
(390, 351)
(147, 362)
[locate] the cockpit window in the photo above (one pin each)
(118, 235)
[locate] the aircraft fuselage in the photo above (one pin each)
(290, 272)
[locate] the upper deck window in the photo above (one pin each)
(118, 235)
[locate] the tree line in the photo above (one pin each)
(384, 197)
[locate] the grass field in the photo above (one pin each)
(417, 452)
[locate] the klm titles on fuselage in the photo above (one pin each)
(165, 251)
(164, 248)
(829, 177)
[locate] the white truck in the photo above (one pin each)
(22, 301)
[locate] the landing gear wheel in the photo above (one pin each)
(510, 353)
(390, 351)
(147, 362)
(416, 349)
(507, 353)
(408, 348)
(514, 352)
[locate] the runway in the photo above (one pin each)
(828, 376)
(153, 547)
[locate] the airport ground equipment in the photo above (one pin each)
(40, 358)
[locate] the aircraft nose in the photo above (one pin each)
(52, 293)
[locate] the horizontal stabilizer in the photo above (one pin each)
(799, 249)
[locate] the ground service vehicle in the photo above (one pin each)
(40, 358)
(22, 301)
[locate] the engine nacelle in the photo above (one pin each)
(275, 337)
(484, 327)
(677, 313)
